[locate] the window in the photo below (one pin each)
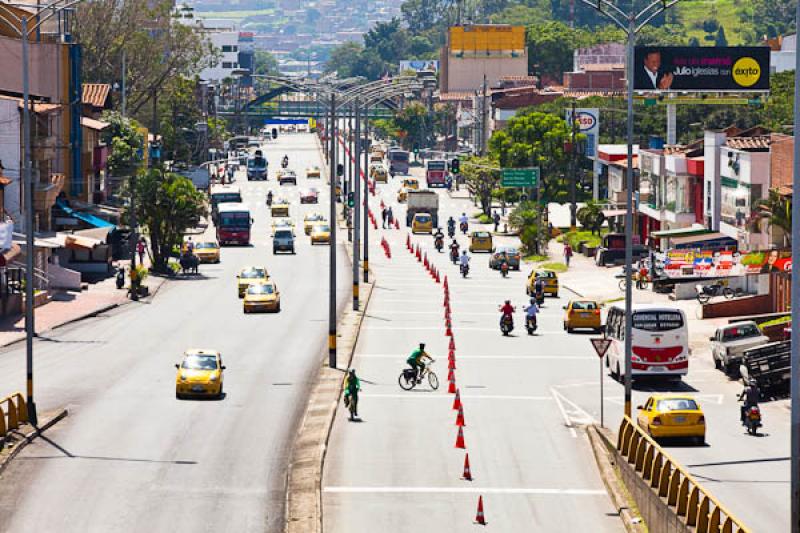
(230, 48)
(227, 64)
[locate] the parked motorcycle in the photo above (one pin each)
(706, 292)
(120, 278)
(507, 325)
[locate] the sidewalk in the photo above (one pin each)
(66, 307)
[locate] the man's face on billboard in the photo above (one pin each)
(652, 61)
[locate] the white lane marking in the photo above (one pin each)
(567, 421)
(461, 357)
(416, 395)
(466, 490)
(440, 328)
(577, 415)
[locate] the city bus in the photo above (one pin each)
(233, 223)
(436, 173)
(221, 194)
(398, 161)
(659, 342)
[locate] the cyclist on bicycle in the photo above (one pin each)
(351, 387)
(417, 360)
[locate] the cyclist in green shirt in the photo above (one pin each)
(351, 387)
(417, 360)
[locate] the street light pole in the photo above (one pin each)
(356, 204)
(365, 265)
(794, 463)
(332, 226)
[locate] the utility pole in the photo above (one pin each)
(124, 83)
(794, 465)
(356, 204)
(332, 225)
(365, 262)
(573, 206)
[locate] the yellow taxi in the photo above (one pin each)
(313, 172)
(320, 234)
(311, 219)
(280, 207)
(672, 415)
(402, 195)
(582, 314)
(282, 223)
(199, 374)
(207, 252)
(248, 276)
(410, 183)
(262, 296)
(379, 173)
(550, 279)
(422, 223)
(481, 241)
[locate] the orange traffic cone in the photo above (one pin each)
(457, 400)
(452, 344)
(448, 332)
(460, 440)
(425, 260)
(451, 363)
(452, 354)
(479, 518)
(408, 241)
(467, 476)
(438, 280)
(446, 286)
(451, 388)
(460, 418)
(451, 375)
(396, 224)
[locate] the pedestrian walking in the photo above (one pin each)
(390, 217)
(567, 254)
(384, 217)
(140, 247)
(496, 219)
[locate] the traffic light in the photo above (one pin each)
(274, 133)
(350, 200)
(339, 170)
(455, 167)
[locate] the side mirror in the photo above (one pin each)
(712, 338)
(223, 367)
(177, 365)
(640, 407)
(564, 307)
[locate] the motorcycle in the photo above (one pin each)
(463, 227)
(752, 419)
(269, 200)
(439, 244)
(540, 298)
(464, 270)
(705, 292)
(120, 278)
(451, 231)
(507, 324)
(530, 324)
(504, 269)
(454, 255)
(285, 162)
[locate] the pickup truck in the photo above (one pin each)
(770, 365)
(730, 342)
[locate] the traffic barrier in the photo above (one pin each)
(457, 400)
(460, 418)
(460, 440)
(479, 518)
(467, 475)
(14, 414)
(675, 487)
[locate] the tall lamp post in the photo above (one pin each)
(24, 30)
(794, 463)
(630, 23)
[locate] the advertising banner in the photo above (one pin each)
(709, 264)
(696, 68)
(420, 65)
(588, 120)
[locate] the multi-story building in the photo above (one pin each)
(224, 37)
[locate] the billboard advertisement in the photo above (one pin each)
(495, 40)
(695, 68)
(588, 120)
(420, 65)
(712, 264)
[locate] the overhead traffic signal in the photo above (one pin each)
(339, 170)
(455, 166)
(350, 200)
(274, 133)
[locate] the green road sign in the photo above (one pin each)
(520, 177)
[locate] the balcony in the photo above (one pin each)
(45, 194)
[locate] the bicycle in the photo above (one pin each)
(638, 280)
(408, 378)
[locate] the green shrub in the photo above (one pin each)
(555, 266)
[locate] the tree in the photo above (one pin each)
(482, 177)
(166, 204)
(779, 210)
(591, 216)
(550, 49)
(157, 48)
(264, 63)
(126, 142)
(720, 39)
(525, 219)
(414, 124)
(343, 59)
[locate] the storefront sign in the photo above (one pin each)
(709, 264)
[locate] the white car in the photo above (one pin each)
(730, 342)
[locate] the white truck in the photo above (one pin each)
(422, 202)
(730, 342)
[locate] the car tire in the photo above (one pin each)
(569, 329)
(564, 324)
(178, 396)
(220, 394)
(700, 441)
(293, 252)
(717, 362)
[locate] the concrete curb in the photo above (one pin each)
(304, 474)
(601, 441)
(29, 437)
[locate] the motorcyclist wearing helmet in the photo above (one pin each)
(751, 395)
(269, 198)
(454, 250)
(451, 227)
(507, 310)
(532, 310)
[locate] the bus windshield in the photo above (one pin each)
(437, 165)
(657, 320)
(256, 162)
(224, 197)
(398, 156)
(235, 219)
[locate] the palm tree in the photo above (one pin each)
(779, 210)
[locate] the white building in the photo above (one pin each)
(223, 36)
(783, 59)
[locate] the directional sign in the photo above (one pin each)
(520, 177)
(601, 346)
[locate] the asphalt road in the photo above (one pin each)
(398, 470)
(130, 457)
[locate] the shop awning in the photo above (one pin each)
(92, 220)
(693, 239)
(695, 229)
(609, 213)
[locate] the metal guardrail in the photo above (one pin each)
(674, 485)
(13, 412)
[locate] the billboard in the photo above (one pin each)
(707, 263)
(494, 40)
(420, 65)
(695, 68)
(588, 120)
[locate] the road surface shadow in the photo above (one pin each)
(741, 462)
(647, 385)
(69, 455)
